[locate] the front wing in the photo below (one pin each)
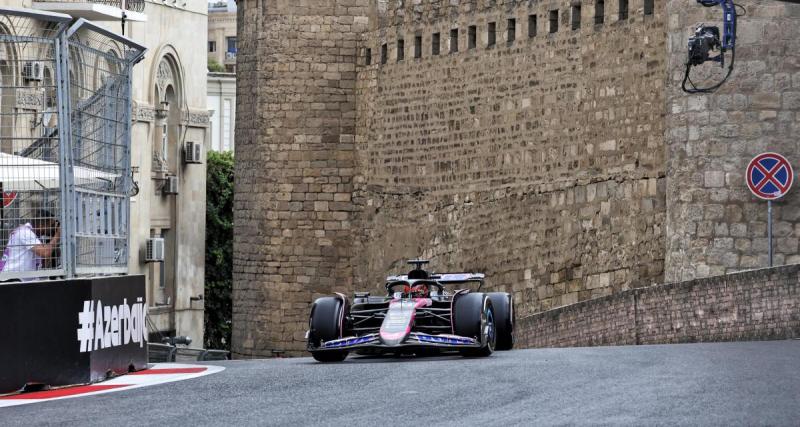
(414, 339)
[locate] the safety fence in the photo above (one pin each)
(65, 175)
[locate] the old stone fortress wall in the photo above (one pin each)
(549, 151)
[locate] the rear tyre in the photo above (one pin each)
(503, 306)
(473, 317)
(325, 324)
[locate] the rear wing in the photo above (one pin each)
(445, 277)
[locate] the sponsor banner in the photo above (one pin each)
(111, 325)
(71, 331)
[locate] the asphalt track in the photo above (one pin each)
(748, 383)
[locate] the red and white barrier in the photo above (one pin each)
(158, 373)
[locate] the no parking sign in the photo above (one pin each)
(769, 176)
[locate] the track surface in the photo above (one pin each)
(750, 383)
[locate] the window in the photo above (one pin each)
(231, 44)
(599, 11)
(368, 57)
(454, 40)
(648, 7)
(226, 124)
(384, 53)
(576, 17)
(623, 10)
(401, 49)
(553, 21)
(212, 46)
(418, 47)
(435, 43)
(164, 142)
(157, 279)
(491, 35)
(511, 30)
(471, 37)
(532, 26)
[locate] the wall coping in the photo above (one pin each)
(662, 286)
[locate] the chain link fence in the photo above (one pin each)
(100, 108)
(65, 124)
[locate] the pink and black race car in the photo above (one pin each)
(418, 315)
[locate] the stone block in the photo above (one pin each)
(714, 179)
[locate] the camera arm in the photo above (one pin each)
(728, 21)
(708, 38)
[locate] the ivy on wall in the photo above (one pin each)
(219, 250)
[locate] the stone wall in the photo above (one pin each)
(751, 305)
(714, 224)
(538, 160)
(294, 166)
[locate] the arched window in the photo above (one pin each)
(168, 95)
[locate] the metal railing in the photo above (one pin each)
(131, 5)
(100, 106)
(64, 146)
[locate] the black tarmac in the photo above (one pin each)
(746, 383)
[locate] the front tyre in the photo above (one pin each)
(325, 324)
(474, 317)
(329, 356)
(503, 306)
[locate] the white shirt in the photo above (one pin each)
(18, 255)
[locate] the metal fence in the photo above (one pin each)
(100, 108)
(64, 146)
(131, 5)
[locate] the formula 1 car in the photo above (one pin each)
(418, 315)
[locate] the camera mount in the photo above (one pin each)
(706, 39)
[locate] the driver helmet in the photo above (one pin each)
(420, 290)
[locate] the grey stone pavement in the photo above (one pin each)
(746, 383)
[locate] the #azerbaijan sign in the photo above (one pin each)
(769, 176)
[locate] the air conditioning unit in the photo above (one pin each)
(193, 153)
(155, 250)
(171, 185)
(33, 70)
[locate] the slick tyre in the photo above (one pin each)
(329, 356)
(473, 317)
(325, 324)
(503, 306)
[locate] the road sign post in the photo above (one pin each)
(769, 177)
(769, 229)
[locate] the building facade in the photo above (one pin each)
(546, 144)
(222, 110)
(169, 111)
(222, 45)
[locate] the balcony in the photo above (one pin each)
(230, 56)
(96, 10)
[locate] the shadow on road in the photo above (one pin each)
(394, 358)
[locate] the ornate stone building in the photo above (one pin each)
(546, 144)
(169, 94)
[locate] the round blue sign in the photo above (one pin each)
(769, 176)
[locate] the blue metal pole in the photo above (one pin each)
(769, 229)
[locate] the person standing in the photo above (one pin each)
(25, 250)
